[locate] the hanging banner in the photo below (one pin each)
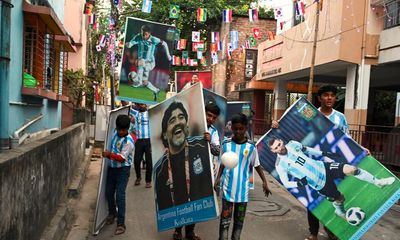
(327, 171)
(146, 61)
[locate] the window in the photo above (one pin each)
(44, 57)
(392, 14)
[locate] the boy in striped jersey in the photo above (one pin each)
(119, 152)
(235, 181)
(146, 61)
(142, 145)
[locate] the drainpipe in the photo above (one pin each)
(16, 139)
(5, 23)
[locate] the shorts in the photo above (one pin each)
(333, 170)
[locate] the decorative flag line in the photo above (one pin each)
(227, 16)
(174, 11)
(195, 36)
(146, 7)
(214, 37)
(253, 15)
(201, 14)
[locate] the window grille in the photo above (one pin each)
(392, 14)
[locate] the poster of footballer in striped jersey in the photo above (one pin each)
(146, 60)
(327, 171)
(182, 167)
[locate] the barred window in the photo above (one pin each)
(392, 14)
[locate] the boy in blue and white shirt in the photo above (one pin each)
(143, 145)
(119, 151)
(235, 181)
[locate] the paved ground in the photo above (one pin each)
(278, 217)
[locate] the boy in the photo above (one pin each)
(235, 193)
(120, 153)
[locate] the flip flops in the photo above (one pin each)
(120, 229)
(177, 236)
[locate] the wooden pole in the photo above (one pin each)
(314, 50)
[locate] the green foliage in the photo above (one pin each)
(79, 86)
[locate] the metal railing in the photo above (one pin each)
(382, 141)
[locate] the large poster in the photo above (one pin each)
(185, 79)
(146, 60)
(182, 168)
(220, 101)
(327, 171)
(101, 211)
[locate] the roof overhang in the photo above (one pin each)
(66, 41)
(48, 16)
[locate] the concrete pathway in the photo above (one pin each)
(277, 217)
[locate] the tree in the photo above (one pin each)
(79, 86)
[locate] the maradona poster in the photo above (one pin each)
(146, 61)
(182, 167)
(327, 171)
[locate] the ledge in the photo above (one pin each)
(41, 93)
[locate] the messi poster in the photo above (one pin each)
(182, 167)
(327, 171)
(146, 60)
(185, 79)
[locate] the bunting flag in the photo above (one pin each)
(185, 54)
(96, 26)
(234, 36)
(92, 19)
(203, 61)
(199, 54)
(198, 46)
(281, 24)
(278, 13)
(256, 33)
(176, 60)
(116, 2)
(183, 43)
(214, 37)
(228, 51)
(177, 34)
(234, 45)
(214, 47)
(88, 9)
(227, 16)
(252, 41)
(195, 36)
(98, 48)
(146, 7)
(253, 15)
(193, 62)
(185, 61)
(174, 11)
(214, 58)
(300, 8)
(201, 14)
(247, 43)
(271, 35)
(219, 46)
(102, 40)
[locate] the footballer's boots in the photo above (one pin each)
(384, 181)
(339, 209)
(156, 93)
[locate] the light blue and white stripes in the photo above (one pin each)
(235, 182)
(142, 123)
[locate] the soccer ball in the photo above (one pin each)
(355, 216)
(230, 159)
(134, 78)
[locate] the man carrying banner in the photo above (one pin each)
(183, 173)
(293, 158)
(146, 61)
(327, 98)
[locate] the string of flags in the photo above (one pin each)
(198, 45)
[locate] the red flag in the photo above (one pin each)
(256, 33)
(271, 35)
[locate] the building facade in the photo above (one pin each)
(357, 50)
(35, 51)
